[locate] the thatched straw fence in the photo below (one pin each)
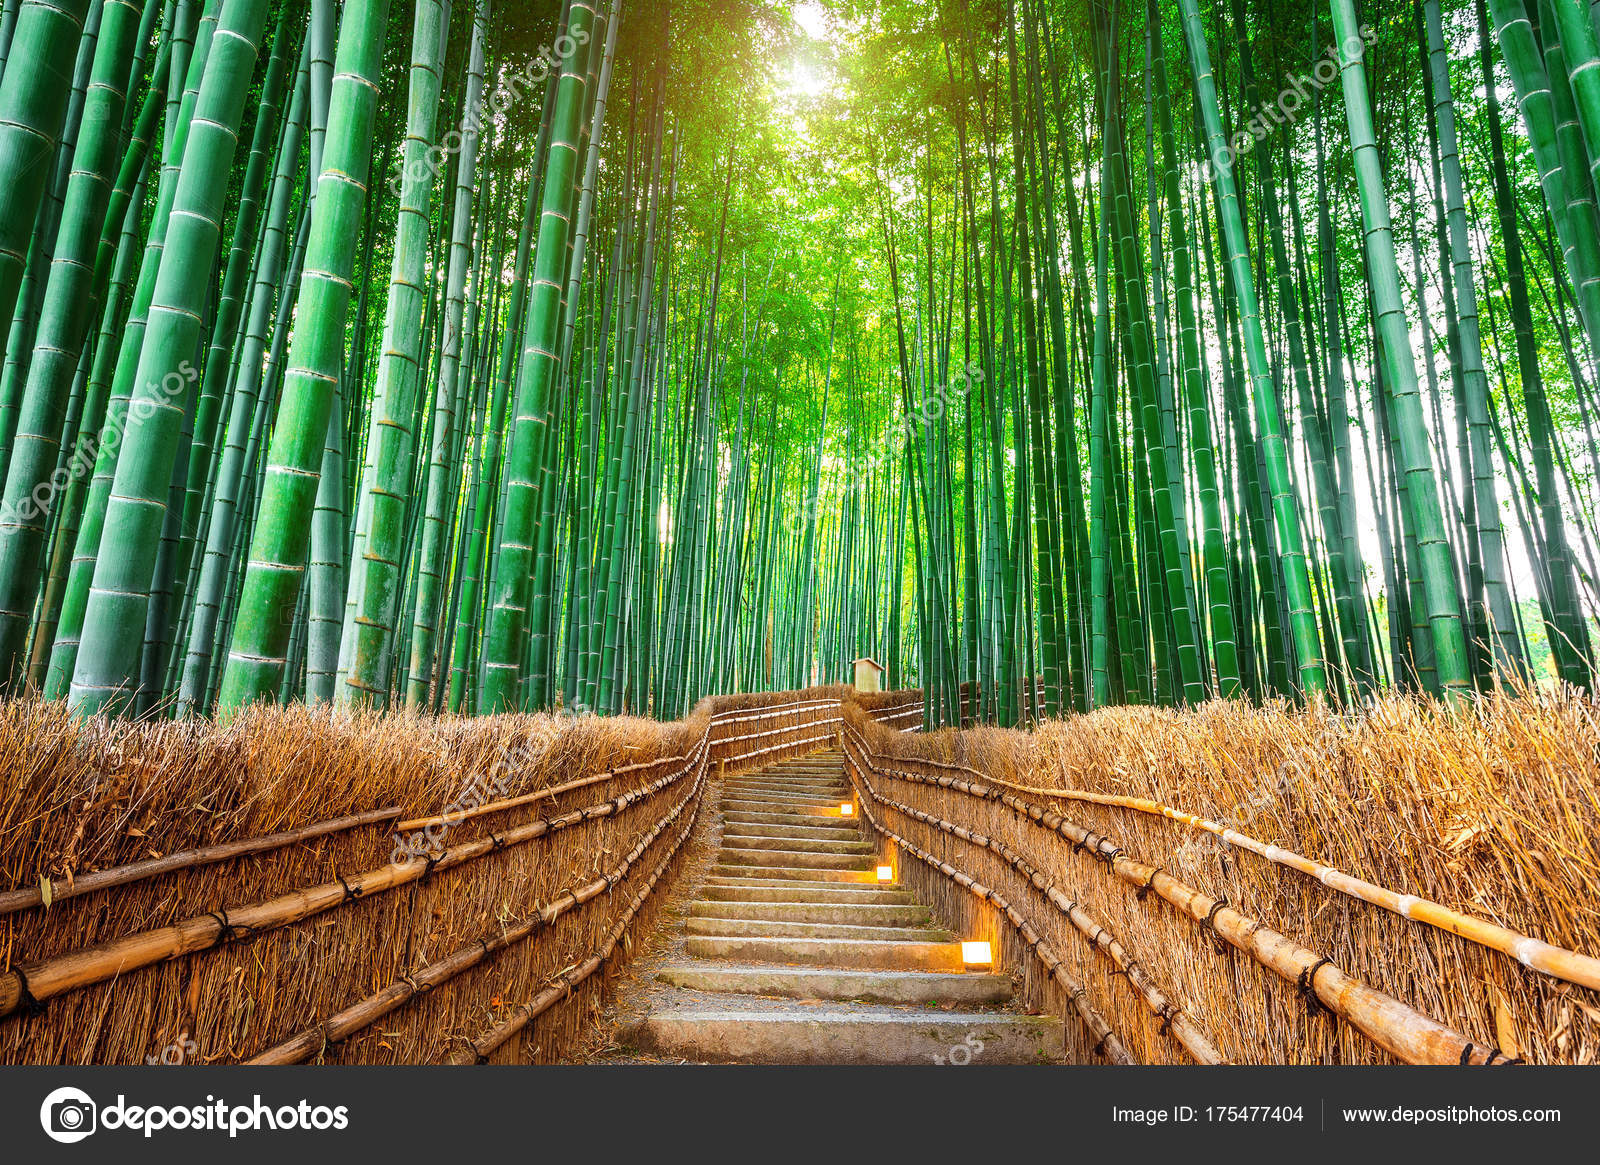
(1404, 883)
(297, 886)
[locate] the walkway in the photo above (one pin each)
(792, 951)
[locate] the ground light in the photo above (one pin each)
(977, 954)
(847, 810)
(885, 873)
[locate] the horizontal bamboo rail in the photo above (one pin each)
(1558, 962)
(188, 859)
(341, 1025)
(1106, 1042)
(458, 816)
(1399, 1029)
(740, 715)
(1174, 1018)
(775, 731)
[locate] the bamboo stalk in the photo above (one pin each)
(563, 984)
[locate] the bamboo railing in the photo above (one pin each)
(1404, 1032)
(1558, 962)
(753, 731)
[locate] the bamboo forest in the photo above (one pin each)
(1118, 476)
(703, 348)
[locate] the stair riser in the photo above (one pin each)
(786, 808)
(804, 820)
(809, 832)
(758, 928)
(857, 915)
(796, 844)
(821, 983)
(786, 778)
(796, 858)
(767, 780)
(817, 895)
(798, 800)
(743, 872)
(888, 956)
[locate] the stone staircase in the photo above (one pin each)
(793, 952)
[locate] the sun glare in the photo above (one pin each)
(808, 77)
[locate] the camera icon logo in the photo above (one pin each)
(68, 1115)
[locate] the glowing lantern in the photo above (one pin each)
(977, 954)
(847, 810)
(885, 873)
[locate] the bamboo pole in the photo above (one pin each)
(188, 859)
(561, 987)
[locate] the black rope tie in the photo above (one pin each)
(350, 892)
(1308, 985)
(1211, 921)
(26, 1003)
(1143, 892)
(1168, 1013)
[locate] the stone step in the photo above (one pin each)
(840, 832)
(793, 781)
(794, 857)
(829, 952)
(746, 868)
(850, 1035)
(858, 914)
(801, 800)
(799, 844)
(823, 793)
(807, 820)
(819, 893)
(763, 928)
(768, 781)
(788, 809)
(829, 983)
